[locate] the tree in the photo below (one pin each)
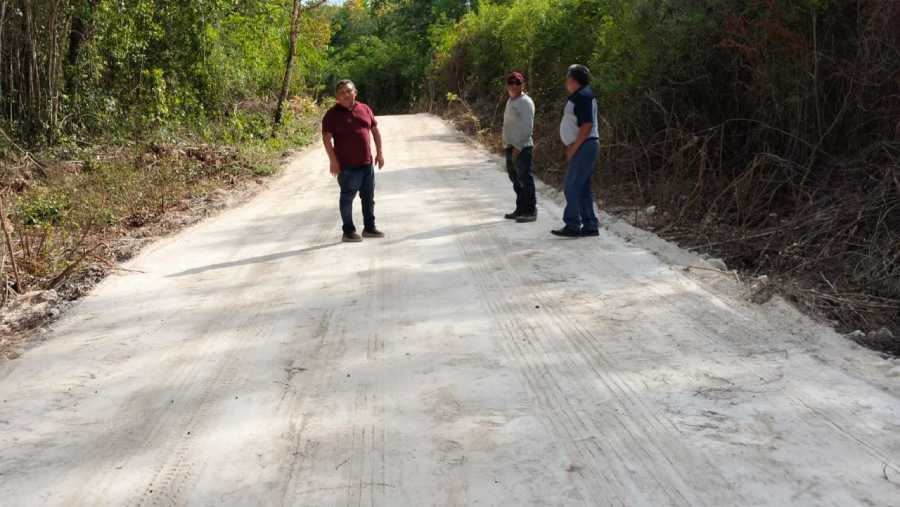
(298, 7)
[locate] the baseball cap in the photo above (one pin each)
(515, 77)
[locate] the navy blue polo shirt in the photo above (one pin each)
(581, 108)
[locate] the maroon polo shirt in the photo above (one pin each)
(350, 129)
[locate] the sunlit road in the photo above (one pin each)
(463, 360)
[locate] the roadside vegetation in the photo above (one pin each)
(763, 132)
(124, 120)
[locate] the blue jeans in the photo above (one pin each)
(352, 180)
(520, 174)
(579, 212)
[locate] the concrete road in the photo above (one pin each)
(254, 359)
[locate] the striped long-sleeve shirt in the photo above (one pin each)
(518, 122)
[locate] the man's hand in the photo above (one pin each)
(584, 131)
(379, 158)
(328, 140)
(516, 151)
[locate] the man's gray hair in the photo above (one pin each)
(342, 83)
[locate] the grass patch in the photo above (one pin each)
(67, 211)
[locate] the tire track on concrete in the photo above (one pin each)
(174, 431)
(613, 449)
(706, 319)
(545, 385)
(548, 386)
(293, 401)
(657, 459)
(362, 462)
(366, 469)
(716, 321)
(636, 410)
(172, 477)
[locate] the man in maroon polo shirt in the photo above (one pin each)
(346, 131)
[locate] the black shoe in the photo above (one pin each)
(372, 233)
(565, 232)
(590, 232)
(351, 237)
(526, 217)
(513, 215)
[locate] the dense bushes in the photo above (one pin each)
(118, 115)
(385, 48)
(74, 68)
(74, 210)
(767, 131)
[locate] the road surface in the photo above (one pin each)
(253, 359)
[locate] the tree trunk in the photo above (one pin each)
(77, 30)
(288, 66)
(297, 8)
(32, 88)
(2, 25)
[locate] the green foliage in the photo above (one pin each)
(42, 207)
(627, 44)
(128, 67)
(385, 47)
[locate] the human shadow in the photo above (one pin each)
(252, 260)
(447, 230)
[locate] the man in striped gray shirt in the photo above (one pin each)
(518, 125)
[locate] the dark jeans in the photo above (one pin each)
(579, 212)
(520, 174)
(352, 180)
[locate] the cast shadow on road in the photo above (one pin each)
(253, 260)
(446, 230)
(432, 234)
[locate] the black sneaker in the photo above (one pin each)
(512, 216)
(565, 232)
(526, 217)
(351, 237)
(372, 233)
(590, 232)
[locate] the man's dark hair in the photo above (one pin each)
(342, 83)
(579, 73)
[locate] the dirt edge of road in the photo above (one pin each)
(35, 311)
(821, 338)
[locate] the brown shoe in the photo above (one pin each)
(351, 237)
(372, 233)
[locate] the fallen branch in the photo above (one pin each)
(20, 288)
(74, 264)
(737, 277)
(3, 278)
(110, 265)
(25, 153)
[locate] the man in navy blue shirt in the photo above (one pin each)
(578, 131)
